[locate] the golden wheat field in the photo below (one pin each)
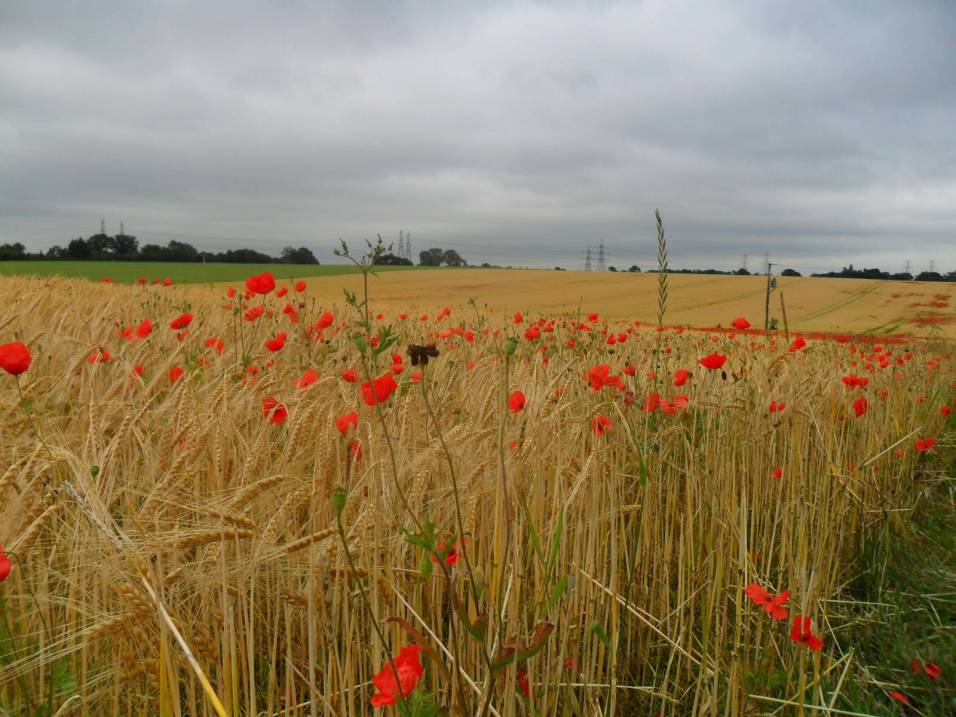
(812, 303)
(250, 504)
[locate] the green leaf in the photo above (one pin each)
(339, 498)
(426, 565)
(557, 592)
(501, 665)
(556, 542)
(602, 636)
(419, 704)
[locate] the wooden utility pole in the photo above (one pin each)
(766, 309)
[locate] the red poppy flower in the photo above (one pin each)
(932, 670)
(308, 377)
(300, 286)
(777, 473)
(756, 593)
(680, 376)
(254, 313)
(15, 358)
(144, 329)
(924, 444)
(138, 369)
(740, 323)
(600, 376)
(854, 381)
(350, 375)
(276, 343)
(325, 320)
(900, 697)
(713, 361)
(772, 605)
(261, 283)
(775, 406)
(409, 671)
(859, 406)
(174, 374)
(231, 292)
(800, 632)
(798, 343)
(141, 280)
(451, 554)
(274, 411)
(522, 679)
(516, 402)
(601, 425)
(593, 317)
(214, 343)
(518, 318)
(182, 322)
(343, 422)
(4, 565)
(167, 282)
(379, 390)
(101, 355)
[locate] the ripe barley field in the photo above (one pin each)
(214, 508)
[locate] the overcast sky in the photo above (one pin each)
(517, 133)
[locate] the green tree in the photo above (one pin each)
(450, 257)
(431, 257)
(125, 246)
(12, 251)
(100, 245)
(298, 256)
(78, 249)
(180, 251)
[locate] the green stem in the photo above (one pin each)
(29, 415)
(368, 605)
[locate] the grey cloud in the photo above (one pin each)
(516, 132)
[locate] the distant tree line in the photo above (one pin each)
(440, 257)
(124, 247)
(848, 272)
(735, 272)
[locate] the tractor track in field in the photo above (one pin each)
(842, 303)
(726, 299)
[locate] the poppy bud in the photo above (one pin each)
(339, 496)
(510, 347)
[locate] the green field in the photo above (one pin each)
(180, 273)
